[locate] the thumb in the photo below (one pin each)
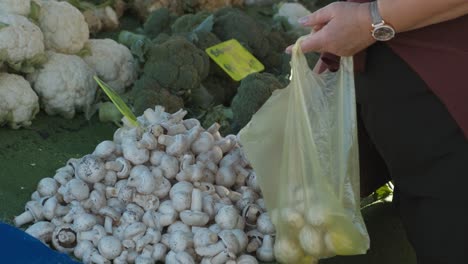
(319, 17)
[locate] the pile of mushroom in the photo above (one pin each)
(167, 190)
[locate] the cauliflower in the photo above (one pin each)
(19, 104)
(21, 42)
(65, 85)
(177, 65)
(253, 92)
(113, 63)
(20, 7)
(64, 27)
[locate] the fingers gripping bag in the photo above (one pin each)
(302, 144)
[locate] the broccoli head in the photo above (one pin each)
(252, 93)
(176, 65)
(158, 21)
(232, 23)
(147, 94)
(218, 114)
(188, 22)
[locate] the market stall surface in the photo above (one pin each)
(30, 154)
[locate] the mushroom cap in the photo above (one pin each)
(178, 226)
(48, 209)
(230, 241)
(247, 259)
(77, 189)
(241, 238)
(182, 186)
(134, 229)
(227, 217)
(41, 230)
(82, 247)
(264, 224)
(84, 222)
(90, 169)
(110, 247)
(104, 149)
(35, 208)
(111, 212)
(180, 240)
(47, 187)
(194, 218)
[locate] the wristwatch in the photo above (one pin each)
(381, 31)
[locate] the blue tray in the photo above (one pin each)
(16, 246)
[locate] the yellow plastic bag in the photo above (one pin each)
(303, 147)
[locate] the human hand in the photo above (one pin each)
(341, 28)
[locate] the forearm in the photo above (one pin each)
(405, 15)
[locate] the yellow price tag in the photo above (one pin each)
(234, 59)
(118, 102)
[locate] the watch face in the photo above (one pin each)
(383, 33)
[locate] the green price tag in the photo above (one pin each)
(234, 59)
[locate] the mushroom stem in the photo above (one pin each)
(108, 224)
(196, 200)
(23, 218)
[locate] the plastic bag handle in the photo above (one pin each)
(297, 54)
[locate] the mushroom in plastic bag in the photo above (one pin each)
(303, 147)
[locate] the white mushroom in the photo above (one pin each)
(142, 179)
(90, 169)
(84, 222)
(287, 251)
(52, 208)
(41, 230)
(178, 226)
(227, 217)
(265, 252)
(75, 189)
(151, 237)
(159, 252)
(264, 224)
(247, 259)
(163, 185)
(64, 238)
(110, 247)
(121, 166)
(167, 163)
(33, 212)
(180, 241)
(93, 235)
(105, 149)
(190, 171)
(195, 216)
(203, 143)
(310, 240)
(47, 187)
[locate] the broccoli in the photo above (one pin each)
(144, 94)
(252, 93)
(218, 114)
(176, 65)
(222, 89)
(188, 22)
(147, 94)
(159, 21)
(231, 23)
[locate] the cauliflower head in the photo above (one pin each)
(177, 65)
(20, 7)
(19, 104)
(65, 85)
(64, 27)
(20, 39)
(113, 63)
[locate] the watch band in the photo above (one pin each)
(375, 15)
